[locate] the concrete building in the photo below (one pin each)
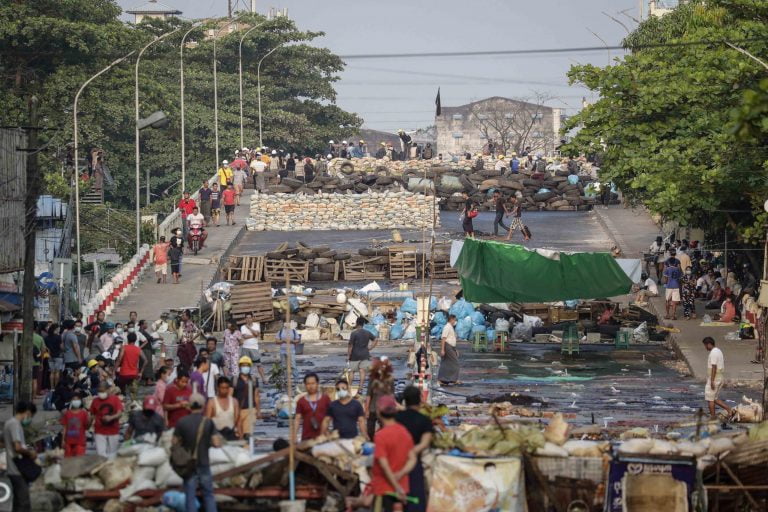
(511, 124)
(153, 9)
(662, 7)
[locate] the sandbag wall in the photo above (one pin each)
(386, 210)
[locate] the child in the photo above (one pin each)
(75, 421)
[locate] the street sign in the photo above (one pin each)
(62, 270)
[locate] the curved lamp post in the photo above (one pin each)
(258, 81)
(240, 54)
(181, 86)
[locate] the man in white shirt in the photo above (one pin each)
(251, 332)
(449, 365)
(648, 288)
(715, 370)
(258, 166)
(196, 220)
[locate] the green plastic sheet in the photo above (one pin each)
(497, 272)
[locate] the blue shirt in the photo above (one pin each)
(673, 275)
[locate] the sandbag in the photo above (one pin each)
(154, 456)
(116, 472)
(217, 456)
(87, 484)
(720, 445)
(165, 476)
(557, 430)
(636, 446)
(551, 450)
(144, 473)
(577, 448)
(661, 447)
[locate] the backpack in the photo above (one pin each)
(182, 461)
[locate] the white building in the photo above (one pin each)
(153, 9)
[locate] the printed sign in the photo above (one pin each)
(631, 474)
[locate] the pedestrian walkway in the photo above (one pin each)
(633, 230)
(149, 298)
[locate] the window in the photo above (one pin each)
(509, 115)
(538, 116)
(482, 116)
(537, 135)
(457, 117)
(458, 135)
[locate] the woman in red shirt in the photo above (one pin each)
(75, 421)
(130, 363)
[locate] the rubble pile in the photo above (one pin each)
(550, 188)
(324, 211)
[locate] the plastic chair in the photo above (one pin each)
(622, 339)
(570, 343)
(500, 343)
(481, 342)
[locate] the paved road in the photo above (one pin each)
(149, 299)
(634, 231)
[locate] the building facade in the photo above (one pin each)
(511, 124)
(152, 9)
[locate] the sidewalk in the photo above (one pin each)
(149, 299)
(633, 231)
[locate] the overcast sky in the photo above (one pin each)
(399, 93)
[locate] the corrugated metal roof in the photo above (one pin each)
(49, 207)
(153, 7)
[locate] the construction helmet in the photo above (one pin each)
(245, 360)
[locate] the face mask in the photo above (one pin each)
(119, 330)
(245, 370)
(26, 421)
(342, 394)
(131, 329)
(687, 272)
(78, 329)
(76, 404)
(103, 395)
(168, 379)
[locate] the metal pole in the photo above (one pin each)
(181, 87)
(289, 381)
(77, 175)
(240, 54)
(258, 86)
(138, 153)
(216, 89)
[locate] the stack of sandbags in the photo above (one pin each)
(387, 210)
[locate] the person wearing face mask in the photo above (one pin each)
(16, 449)
(347, 415)
(71, 353)
(106, 410)
(162, 378)
(120, 333)
(81, 337)
(75, 421)
(146, 425)
(107, 338)
(247, 395)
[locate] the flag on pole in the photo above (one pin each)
(438, 109)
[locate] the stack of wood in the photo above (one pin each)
(254, 299)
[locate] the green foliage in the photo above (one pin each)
(664, 125)
(56, 45)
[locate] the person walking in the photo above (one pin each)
(311, 409)
(71, 353)
(186, 205)
(75, 422)
(130, 363)
(285, 337)
(346, 413)
(233, 339)
(238, 180)
(449, 364)
(54, 344)
(215, 205)
(671, 278)
(501, 211)
(224, 410)
(204, 194)
(16, 449)
(421, 430)
(187, 352)
(225, 174)
(688, 293)
(251, 332)
(228, 199)
(381, 383)
(258, 167)
(160, 259)
(517, 221)
(248, 398)
(162, 375)
(715, 377)
(468, 213)
(393, 460)
(146, 341)
(176, 398)
(175, 252)
(197, 435)
(214, 355)
(106, 410)
(359, 351)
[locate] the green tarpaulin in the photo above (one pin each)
(496, 272)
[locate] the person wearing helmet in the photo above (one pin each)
(332, 148)
(247, 396)
(382, 151)
(225, 173)
(274, 162)
(501, 165)
(146, 425)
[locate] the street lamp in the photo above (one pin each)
(258, 82)
(242, 138)
(138, 152)
(181, 84)
(77, 175)
(216, 88)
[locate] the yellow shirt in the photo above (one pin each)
(225, 175)
(265, 159)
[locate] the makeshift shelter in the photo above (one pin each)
(497, 272)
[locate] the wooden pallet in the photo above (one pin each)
(442, 269)
(254, 298)
(276, 271)
(403, 262)
(363, 270)
(245, 268)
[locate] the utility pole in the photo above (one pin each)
(23, 378)
(229, 9)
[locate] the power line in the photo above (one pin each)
(543, 51)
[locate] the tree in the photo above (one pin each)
(664, 125)
(515, 124)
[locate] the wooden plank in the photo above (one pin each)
(253, 298)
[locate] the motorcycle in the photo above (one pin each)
(195, 235)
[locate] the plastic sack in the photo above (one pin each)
(153, 456)
(571, 304)
(522, 331)
(410, 332)
(463, 328)
(217, 456)
(478, 318)
(573, 179)
(378, 319)
(399, 315)
(440, 318)
(433, 303)
(706, 319)
(640, 334)
(436, 331)
(502, 325)
(177, 501)
(532, 321)
(409, 306)
(372, 329)
(461, 309)
(490, 334)
(477, 328)
(444, 304)
(294, 303)
(397, 331)
(543, 190)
